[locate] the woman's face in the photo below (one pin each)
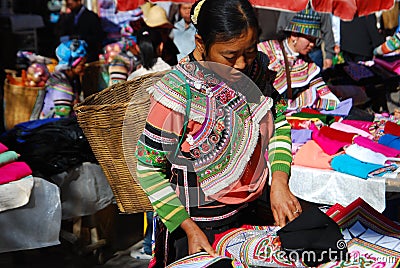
(79, 69)
(303, 44)
(237, 53)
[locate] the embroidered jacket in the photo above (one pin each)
(223, 132)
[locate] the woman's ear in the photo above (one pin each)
(200, 49)
(160, 47)
(199, 44)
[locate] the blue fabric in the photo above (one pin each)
(342, 109)
(316, 56)
(301, 135)
(67, 52)
(349, 165)
(390, 140)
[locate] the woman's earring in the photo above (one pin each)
(294, 42)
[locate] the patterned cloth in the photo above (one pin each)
(203, 260)
(306, 82)
(391, 44)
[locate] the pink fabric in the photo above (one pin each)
(312, 155)
(351, 129)
(392, 128)
(391, 66)
(3, 148)
(363, 125)
(14, 171)
(330, 146)
(376, 147)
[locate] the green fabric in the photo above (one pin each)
(8, 157)
(326, 119)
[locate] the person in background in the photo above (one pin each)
(112, 22)
(62, 89)
(81, 24)
(298, 78)
(359, 37)
(184, 32)
(122, 57)
(150, 45)
(323, 60)
(189, 216)
(155, 17)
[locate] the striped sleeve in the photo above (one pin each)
(153, 148)
(280, 146)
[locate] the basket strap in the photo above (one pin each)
(187, 110)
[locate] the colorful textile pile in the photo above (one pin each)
(321, 141)
(16, 180)
(372, 239)
(203, 260)
(253, 246)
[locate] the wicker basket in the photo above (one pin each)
(19, 102)
(112, 121)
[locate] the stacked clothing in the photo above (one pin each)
(359, 148)
(16, 180)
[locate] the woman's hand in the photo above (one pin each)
(284, 204)
(197, 240)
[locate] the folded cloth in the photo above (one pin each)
(343, 108)
(390, 140)
(350, 129)
(301, 135)
(310, 236)
(363, 125)
(376, 147)
(392, 128)
(14, 171)
(329, 145)
(3, 148)
(337, 134)
(15, 194)
(8, 157)
(312, 155)
(365, 155)
(299, 124)
(346, 164)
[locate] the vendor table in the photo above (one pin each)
(329, 187)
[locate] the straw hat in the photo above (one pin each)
(157, 17)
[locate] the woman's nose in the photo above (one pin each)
(240, 63)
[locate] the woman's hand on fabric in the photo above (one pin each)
(284, 204)
(197, 240)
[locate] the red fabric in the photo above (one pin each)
(125, 5)
(3, 148)
(310, 111)
(344, 9)
(14, 171)
(299, 123)
(329, 145)
(392, 128)
(338, 135)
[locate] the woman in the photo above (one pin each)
(298, 79)
(150, 51)
(210, 176)
(63, 87)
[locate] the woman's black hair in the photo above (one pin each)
(148, 41)
(223, 20)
